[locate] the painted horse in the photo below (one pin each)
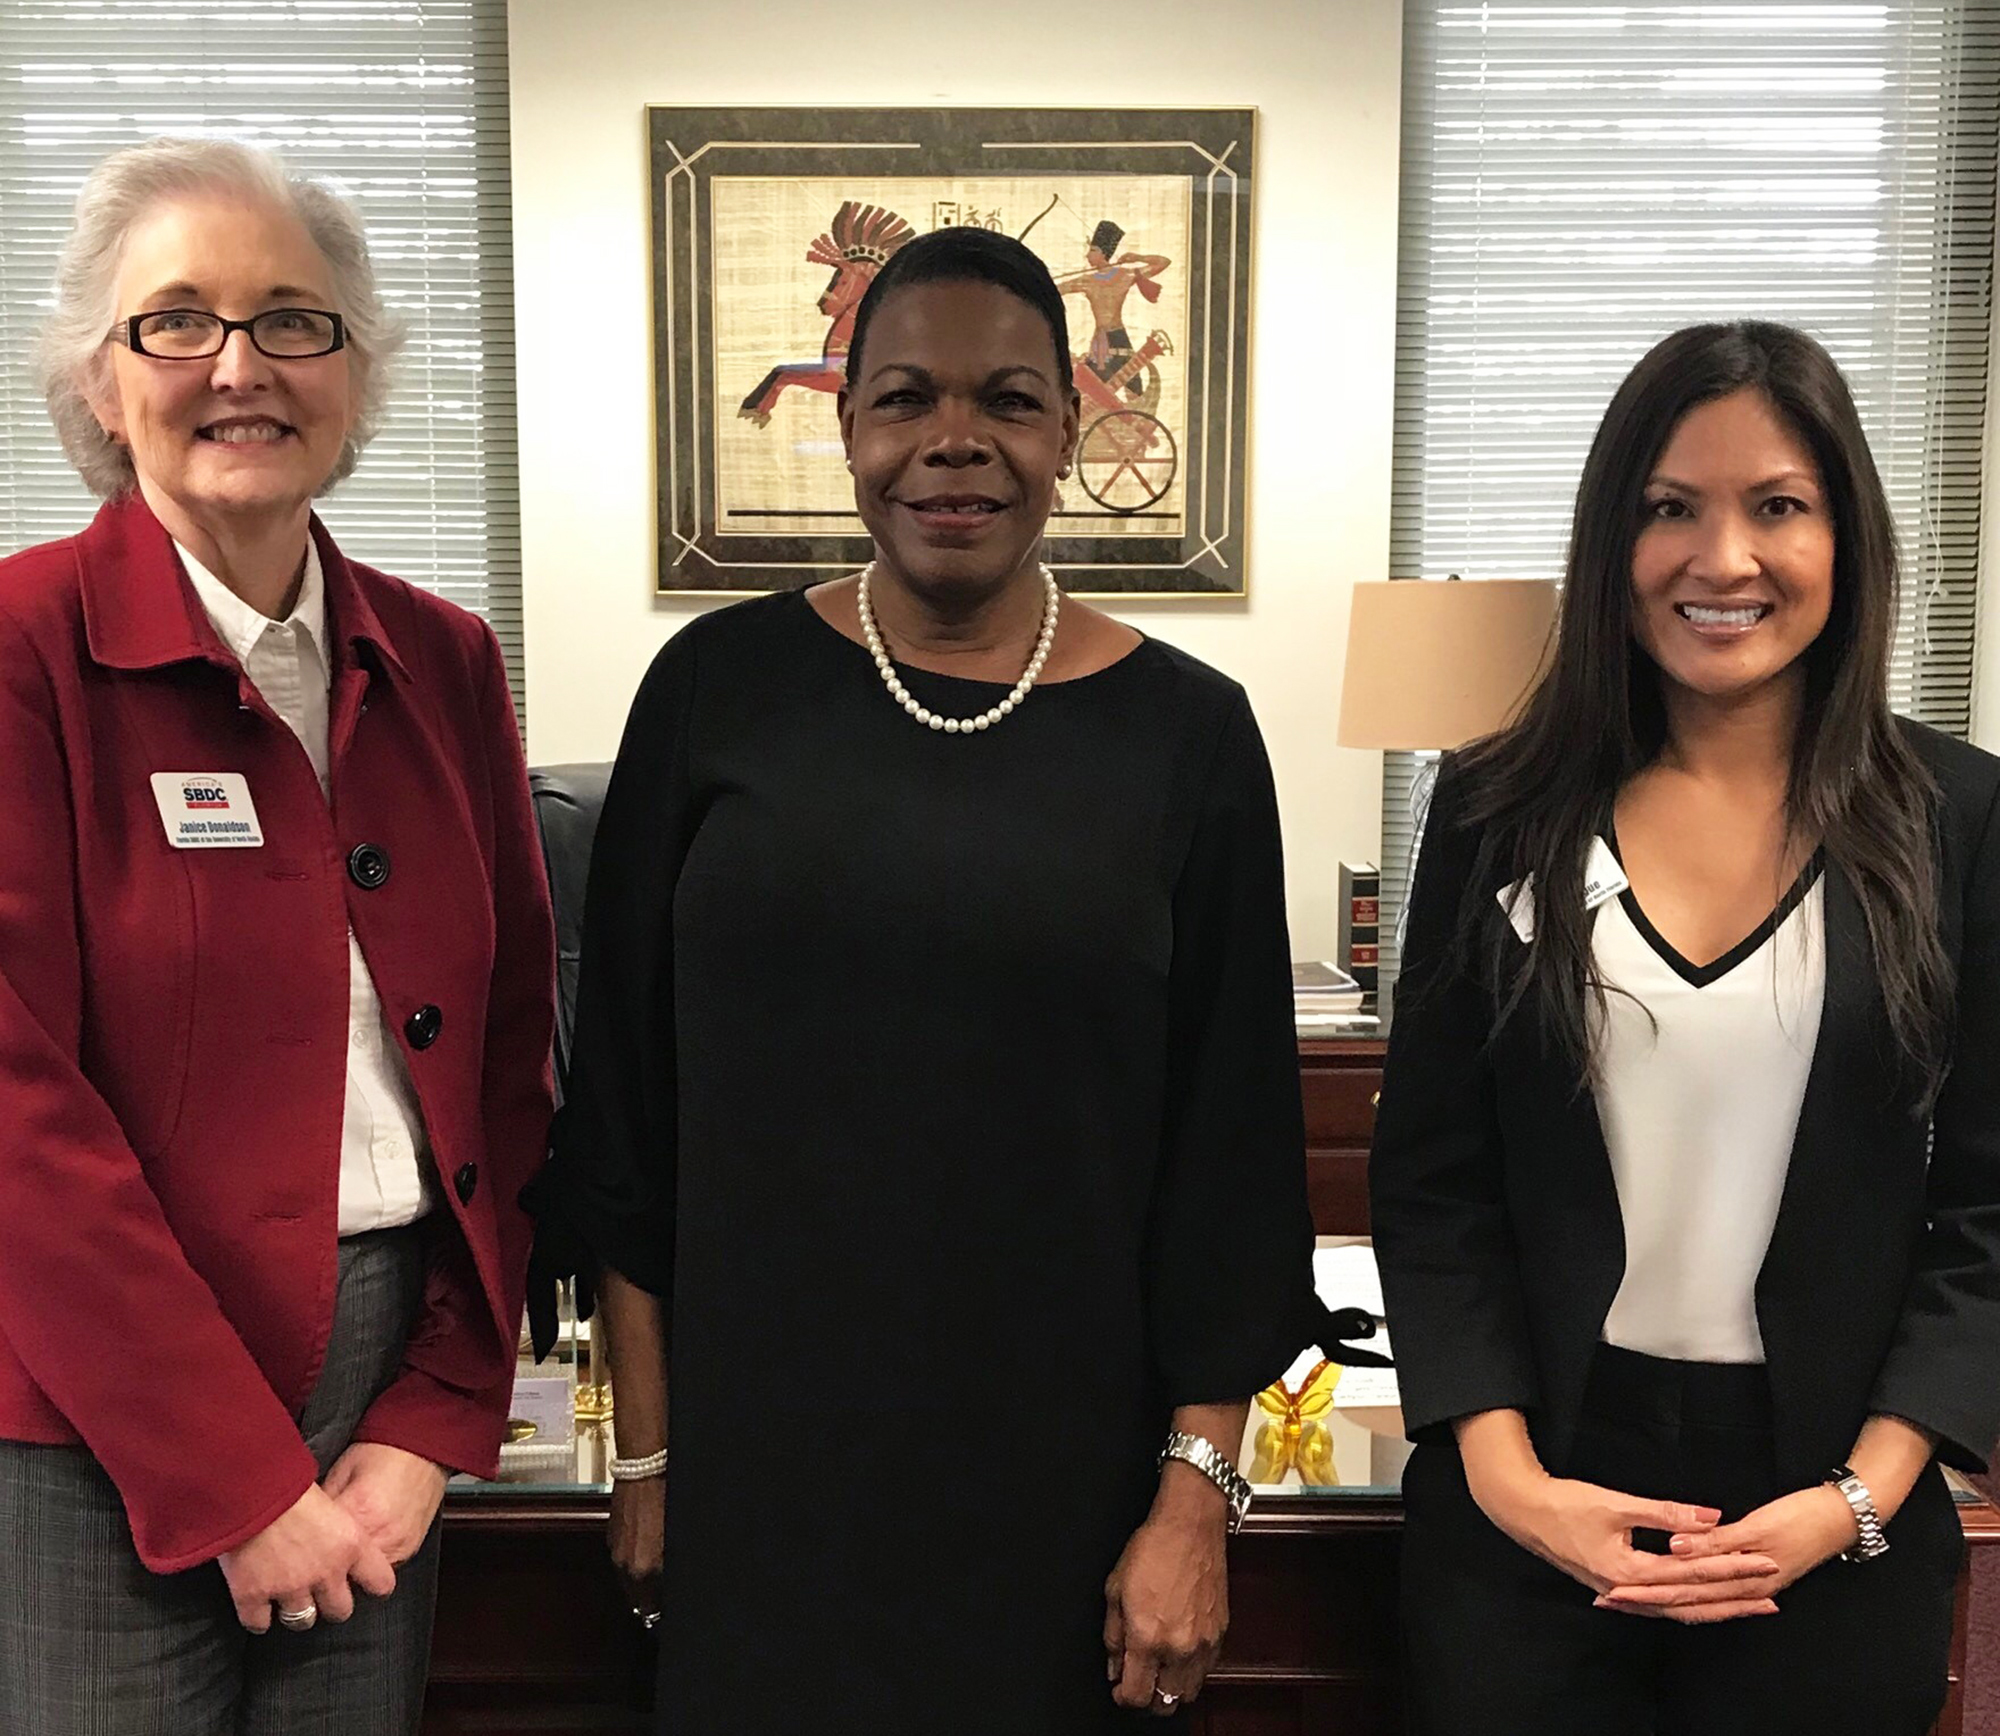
(858, 245)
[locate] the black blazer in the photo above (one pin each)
(1496, 1219)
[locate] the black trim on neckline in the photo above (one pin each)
(1701, 975)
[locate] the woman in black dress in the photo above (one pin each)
(1686, 1182)
(934, 1114)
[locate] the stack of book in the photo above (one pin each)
(1327, 1001)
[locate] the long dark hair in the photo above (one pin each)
(1539, 790)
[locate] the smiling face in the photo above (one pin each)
(236, 436)
(1732, 571)
(956, 431)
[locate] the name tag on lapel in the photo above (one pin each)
(207, 810)
(1602, 879)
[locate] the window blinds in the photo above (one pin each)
(404, 107)
(1579, 180)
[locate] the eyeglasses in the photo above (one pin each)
(183, 334)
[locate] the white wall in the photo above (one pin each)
(1326, 76)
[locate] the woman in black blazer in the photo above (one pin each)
(1686, 1182)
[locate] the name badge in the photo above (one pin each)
(207, 810)
(1603, 879)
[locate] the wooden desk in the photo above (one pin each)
(533, 1638)
(1338, 1081)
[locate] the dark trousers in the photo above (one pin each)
(1502, 1644)
(92, 1644)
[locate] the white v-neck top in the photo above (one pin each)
(382, 1138)
(1701, 1075)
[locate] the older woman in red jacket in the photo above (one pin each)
(275, 1002)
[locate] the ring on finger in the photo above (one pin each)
(298, 1620)
(1170, 1701)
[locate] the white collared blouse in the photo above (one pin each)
(382, 1130)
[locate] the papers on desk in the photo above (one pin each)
(1345, 1276)
(1321, 987)
(1327, 1002)
(1336, 1024)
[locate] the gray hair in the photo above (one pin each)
(119, 193)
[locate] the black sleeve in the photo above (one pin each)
(1230, 1269)
(1943, 1367)
(1451, 1278)
(606, 1197)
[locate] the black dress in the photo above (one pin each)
(946, 1089)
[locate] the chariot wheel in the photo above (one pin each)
(1127, 461)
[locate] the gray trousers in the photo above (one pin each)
(92, 1644)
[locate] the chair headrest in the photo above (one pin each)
(568, 800)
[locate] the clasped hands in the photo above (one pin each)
(372, 1513)
(1712, 1573)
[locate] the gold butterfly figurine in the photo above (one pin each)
(1297, 1438)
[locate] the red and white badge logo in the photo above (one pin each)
(207, 810)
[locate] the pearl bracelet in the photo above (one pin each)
(639, 1470)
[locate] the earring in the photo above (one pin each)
(1062, 470)
(850, 467)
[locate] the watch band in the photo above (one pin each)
(1871, 1540)
(1208, 1459)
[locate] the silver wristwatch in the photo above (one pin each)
(1209, 1461)
(1871, 1542)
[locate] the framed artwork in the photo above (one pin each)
(769, 225)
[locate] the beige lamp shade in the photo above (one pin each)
(1434, 663)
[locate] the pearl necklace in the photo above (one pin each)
(915, 707)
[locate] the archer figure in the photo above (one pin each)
(1105, 286)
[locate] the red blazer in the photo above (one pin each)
(173, 1026)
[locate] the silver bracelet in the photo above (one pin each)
(1209, 1460)
(1871, 1540)
(639, 1470)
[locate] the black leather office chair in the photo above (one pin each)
(568, 800)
